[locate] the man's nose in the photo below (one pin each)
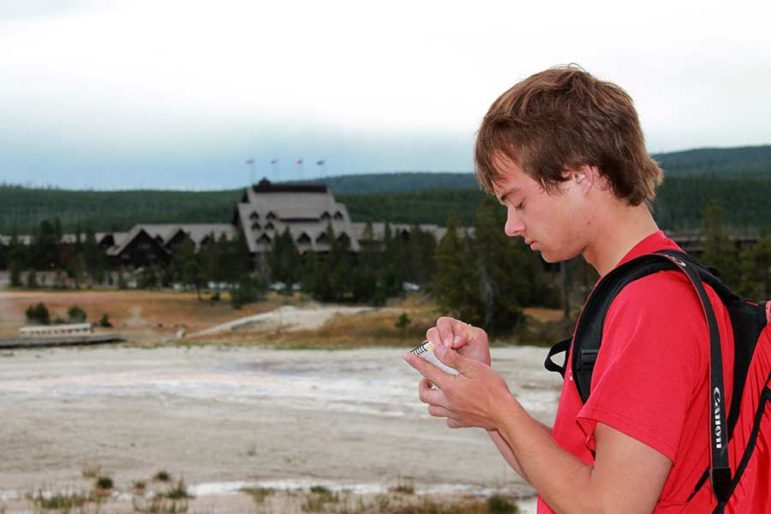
(514, 225)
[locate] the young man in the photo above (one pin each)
(564, 153)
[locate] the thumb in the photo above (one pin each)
(455, 360)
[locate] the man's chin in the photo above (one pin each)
(546, 258)
(550, 257)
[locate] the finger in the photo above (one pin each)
(446, 331)
(461, 334)
(454, 333)
(455, 360)
(432, 334)
(431, 395)
(428, 370)
(439, 412)
(454, 423)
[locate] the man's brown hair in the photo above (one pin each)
(564, 118)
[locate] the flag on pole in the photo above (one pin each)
(298, 161)
(250, 161)
(320, 163)
(274, 161)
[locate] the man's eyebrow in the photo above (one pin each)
(511, 190)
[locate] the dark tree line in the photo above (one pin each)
(223, 262)
(378, 271)
(79, 259)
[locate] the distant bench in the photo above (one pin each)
(66, 330)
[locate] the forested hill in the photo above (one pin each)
(738, 179)
(750, 162)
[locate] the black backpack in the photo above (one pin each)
(752, 368)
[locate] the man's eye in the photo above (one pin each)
(520, 205)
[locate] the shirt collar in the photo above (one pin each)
(652, 243)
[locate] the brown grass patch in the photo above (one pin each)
(139, 314)
(150, 317)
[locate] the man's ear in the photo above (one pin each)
(585, 176)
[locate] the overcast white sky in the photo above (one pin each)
(110, 94)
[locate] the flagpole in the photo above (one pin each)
(250, 163)
(322, 164)
(274, 165)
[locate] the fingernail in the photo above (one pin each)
(447, 342)
(441, 350)
(456, 340)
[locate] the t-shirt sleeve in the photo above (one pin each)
(652, 356)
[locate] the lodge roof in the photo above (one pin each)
(267, 210)
(164, 233)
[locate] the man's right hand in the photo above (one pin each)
(469, 341)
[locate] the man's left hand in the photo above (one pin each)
(470, 399)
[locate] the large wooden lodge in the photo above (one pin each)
(265, 211)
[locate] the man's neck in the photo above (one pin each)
(616, 233)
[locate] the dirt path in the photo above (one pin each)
(286, 318)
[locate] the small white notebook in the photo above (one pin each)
(425, 350)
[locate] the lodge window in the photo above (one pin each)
(304, 238)
(256, 226)
(338, 215)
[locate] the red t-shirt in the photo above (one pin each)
(650, 380)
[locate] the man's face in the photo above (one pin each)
(553, 223)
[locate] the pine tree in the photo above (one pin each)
(15, 259)
(719, 251)
(32, 279)
(456, 283)
(45, 246)
(506, 270)
(283, 260)
(95, 260)
(756, 270)
(188, 269)
(339, 263)
(420, 254)
(76, 268)
(316, 277)
(15, 273)
(211, 255)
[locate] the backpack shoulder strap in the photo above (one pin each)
(588, 338)
(588, 333)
